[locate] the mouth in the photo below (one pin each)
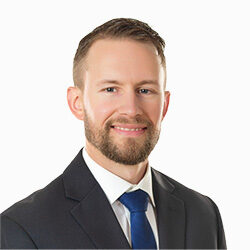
(132, 132)
(129, 129)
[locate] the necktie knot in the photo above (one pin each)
(136, 201)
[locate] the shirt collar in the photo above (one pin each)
(113, 185)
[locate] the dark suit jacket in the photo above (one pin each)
(73, 212)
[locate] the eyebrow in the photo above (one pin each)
(119, 83)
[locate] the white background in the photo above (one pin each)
(205, 137)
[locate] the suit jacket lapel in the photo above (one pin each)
(170, 213)
(97, 219)
(93, 212)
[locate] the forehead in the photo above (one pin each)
(123, 57)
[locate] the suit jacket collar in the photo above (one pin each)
(170, 213)
(113, 185)
(96, 216)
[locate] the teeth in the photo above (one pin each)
(127, 129)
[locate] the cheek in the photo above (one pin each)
(99, 110)
(154, 110)
(103, 111)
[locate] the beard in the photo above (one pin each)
(126, 150)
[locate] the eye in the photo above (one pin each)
(146, 91)
(109, 88)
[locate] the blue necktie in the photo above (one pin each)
(141, 232)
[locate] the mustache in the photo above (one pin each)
(140, 121)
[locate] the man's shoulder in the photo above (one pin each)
(193, 200)
(37, 202)
(201, 212)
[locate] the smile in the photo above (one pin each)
(128, 129)
(129, 132)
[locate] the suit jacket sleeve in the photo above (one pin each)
(221, 233)
(13, 236)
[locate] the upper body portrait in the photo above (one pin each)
(109, 196)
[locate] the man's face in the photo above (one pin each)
(128, 101)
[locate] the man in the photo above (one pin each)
(109, 196)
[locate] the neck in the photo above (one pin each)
(131, 173)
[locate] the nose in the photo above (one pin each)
(129, 104)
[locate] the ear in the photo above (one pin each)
(75, 102)
(166, 103)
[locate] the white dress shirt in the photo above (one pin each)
(114, 186)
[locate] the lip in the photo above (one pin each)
(129, 133)
(130, 126)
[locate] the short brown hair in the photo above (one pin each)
(116, 29)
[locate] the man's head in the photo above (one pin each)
(120, 76)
